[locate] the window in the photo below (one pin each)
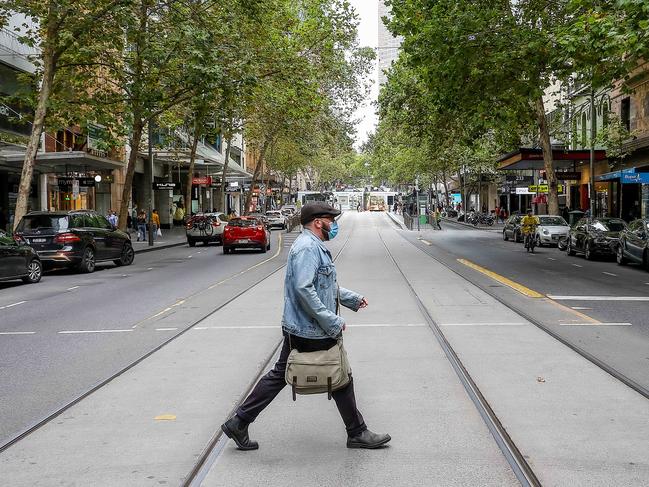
(625, 112)
(553, 221)
(42, 222)
(102, 222)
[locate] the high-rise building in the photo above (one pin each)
(388, 45)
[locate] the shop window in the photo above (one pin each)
(625, 112)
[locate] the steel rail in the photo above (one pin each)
(217, 443)
(121, 371)
(514, 457)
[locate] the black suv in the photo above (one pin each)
(18, 261)
(596, 236)
(77, 239)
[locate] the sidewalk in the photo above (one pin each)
(172, 237)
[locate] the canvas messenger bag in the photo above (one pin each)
(318, 372)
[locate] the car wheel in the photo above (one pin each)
(226, 250)
(505, 237)
(192, 243)
(268, 246)
(645, 259)
(34, 272)
(588, 253)
(127, 257)
(264, 249)
(87, 264)
(569, 250)
(619, 255)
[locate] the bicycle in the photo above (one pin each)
(205, 228)
(530, 240)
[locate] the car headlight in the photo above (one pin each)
(546, 231)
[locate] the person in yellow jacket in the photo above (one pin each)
(528, 227)
(155, 221)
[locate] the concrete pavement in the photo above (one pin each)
(148, 425)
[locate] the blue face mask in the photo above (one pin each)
(331, 233)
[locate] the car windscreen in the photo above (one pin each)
(237, 222)
(608, 226)
(33, 223)
(273, 214)
(553, 221)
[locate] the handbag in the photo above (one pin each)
(320, 371)
(158, 232)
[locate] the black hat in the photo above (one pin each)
(316, 209)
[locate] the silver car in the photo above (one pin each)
(276, 219)
(550, 230)
(206, 228)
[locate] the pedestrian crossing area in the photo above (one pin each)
(289, 238)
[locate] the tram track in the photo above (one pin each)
(510, 451)
(629, 382)
(217, 443)
(57, 412)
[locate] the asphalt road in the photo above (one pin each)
(598, 306)
(72, 331)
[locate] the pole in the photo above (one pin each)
(593, 194)
(150, 182)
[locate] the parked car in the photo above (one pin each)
(634, 243)
(18, 261)
(597, 236)
(260, 216)
(77, 239)
(550, 230)
(206, 228)
(276, 219)
(512, 228)
(289, 210)
(245, 232)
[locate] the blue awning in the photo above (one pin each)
(608, 176)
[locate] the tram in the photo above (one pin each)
(381, 200)
(348, 200)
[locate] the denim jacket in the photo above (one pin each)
(310, 289)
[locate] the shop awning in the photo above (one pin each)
(526, 159)
(78, 161)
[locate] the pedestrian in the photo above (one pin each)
(141, 225)
(310, 323)
(497, 213)
(155, 220)
(438, 218)
(112, 218)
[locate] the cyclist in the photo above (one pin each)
(528, 227)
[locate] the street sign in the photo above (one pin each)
(568, 176)
(165, 185)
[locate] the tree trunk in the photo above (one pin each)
(49, 67)
(553, 194)
(222, 193)
(445, 182)
(255, 176)
(190, 172)
(138, 126)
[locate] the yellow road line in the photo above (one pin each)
(426, 242)
(502, 279)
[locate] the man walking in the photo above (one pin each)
(309, 323)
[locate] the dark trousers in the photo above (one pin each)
(273, 382)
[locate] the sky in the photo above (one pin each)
(368, 36)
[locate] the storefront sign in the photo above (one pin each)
(543, 188)
(67, 183)
(524, 190)
(232, 189)
(202, 180)
(515, 178)
(568, 176)
(635, 177)
(165, 185)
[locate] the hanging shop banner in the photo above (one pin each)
(524, 190)
(166, 185)
(202, 180)
(543, 188)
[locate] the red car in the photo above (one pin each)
(245, 232)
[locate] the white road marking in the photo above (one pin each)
(12, 305)
(551, 258)
(580, 307)
(70, 332)
(149, 268)
(483, 324)
(596, 324)
(179, 303)
(189, 256)
(166, 329)
(577, 265)
(426, 242)
(241, 327)
(17, 332)
(161, 312)
(73, 288)
(599, 298)
(609, 274)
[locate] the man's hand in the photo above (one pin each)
(363, 304)
(344, 326)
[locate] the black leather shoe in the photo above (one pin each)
(237, 429)
(367, 439)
